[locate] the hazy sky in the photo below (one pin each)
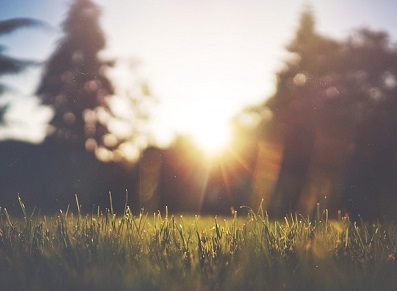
(201, 57)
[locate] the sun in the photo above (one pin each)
(207, 122)
(211, 135)
(205, 117)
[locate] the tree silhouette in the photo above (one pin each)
(74, 83)
(295, 107)
(335, 106)
(371, 84)
(10, 65)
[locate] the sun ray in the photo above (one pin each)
(204, 186)
(225, 178)
(241, 161)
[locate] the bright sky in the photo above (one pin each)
(204, 59)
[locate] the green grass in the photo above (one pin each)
(105, 251)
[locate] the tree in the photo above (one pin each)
(335, 106)
(371, 82)
(74, 82)
(10, 65)
(295, 107)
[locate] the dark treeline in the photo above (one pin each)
(328, 135)
(47, 177)
(335, 107)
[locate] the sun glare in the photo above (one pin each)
(212, 136)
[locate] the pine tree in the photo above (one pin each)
(307, 71)
(74, 83)
(296, 106)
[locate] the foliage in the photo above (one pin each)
(335, 108)
(10, 65)
(104, 251)
(90, 112)
(296, 106)
(313, 59)
(370, 82)
(74, 83)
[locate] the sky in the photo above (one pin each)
(204, 60)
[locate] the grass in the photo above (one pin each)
(104, 251)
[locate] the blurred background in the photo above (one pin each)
(201, 106)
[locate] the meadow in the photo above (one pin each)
(101, 250)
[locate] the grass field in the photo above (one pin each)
(105, 251)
